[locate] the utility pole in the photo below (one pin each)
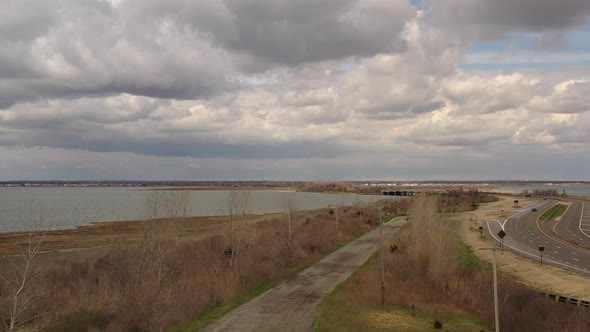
(382, 259)
(496, 313)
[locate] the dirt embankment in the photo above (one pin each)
(544, 278)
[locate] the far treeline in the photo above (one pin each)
(544, 192)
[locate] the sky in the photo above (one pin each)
(295, 90)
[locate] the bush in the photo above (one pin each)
(78, 321)
(437, 324)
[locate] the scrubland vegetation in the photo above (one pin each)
(339, 187)
(430, 275)
(544, 192)
(164, 281)
(462, 200)
(169, 280)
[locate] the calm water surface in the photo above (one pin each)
(69, 207)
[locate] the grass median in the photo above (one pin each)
(554, 212)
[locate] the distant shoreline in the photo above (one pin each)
(261, 185)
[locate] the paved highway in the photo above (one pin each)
(524, 235)
(571, 226)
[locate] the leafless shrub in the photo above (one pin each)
(237, 208)
(162, 230)
(20, 294)
(289, 210)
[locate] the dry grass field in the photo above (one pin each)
(159, 274)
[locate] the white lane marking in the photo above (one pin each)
(577, 260)
(581, 218)
(574, 253)
(555, 252)
(563, 264)
(558, 247)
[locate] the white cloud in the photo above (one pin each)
(252, 89)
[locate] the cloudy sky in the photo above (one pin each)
(295, 89)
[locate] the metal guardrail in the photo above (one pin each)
(570, 300)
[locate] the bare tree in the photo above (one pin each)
(162, 230)
(337, 208)
(336, 211)
(175, 207)
(289, 209)
(153, 207)
(359, 208)
(237, 209)
(433, 240)
(22, 295)
(380, 219)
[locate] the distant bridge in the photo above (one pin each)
(412, 193)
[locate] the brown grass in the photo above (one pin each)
(105, 288)
(434, 273)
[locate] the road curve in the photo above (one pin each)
(571, 225)
(524, 235)
(292, 305)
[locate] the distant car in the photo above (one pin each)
(534, 210)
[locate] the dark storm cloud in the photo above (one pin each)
(178, 49)
(185, 146)
(458, 141)
(293, 32)
(495, 18)
(390, 112)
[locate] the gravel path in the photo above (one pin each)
(292, 305)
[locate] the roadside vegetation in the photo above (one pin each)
(544, 193)
(167, 278)
(433, 280)
(554, 212)
(462, 200)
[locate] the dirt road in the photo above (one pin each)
(292, 305)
